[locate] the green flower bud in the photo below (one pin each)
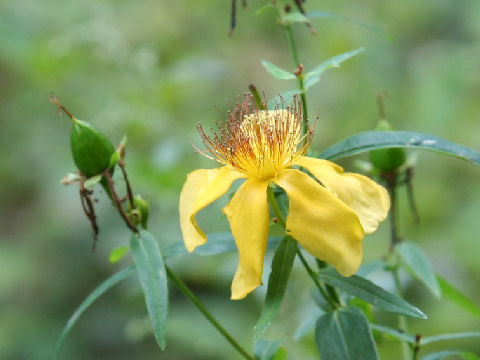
(91, 150)
(139, 215)
(387, 160)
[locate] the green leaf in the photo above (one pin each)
(278, 73)
(443, 354)
(454, 336)
(313, 76)
(277, 284)
(264, 8)
(117, 254)
(283, 100)
(153, 278)
(345, 335)
(296, 17)
(94, 295)
(417, 264)
(266, 349)
(324, 14)
(371, 267)
(450, 293)
(371, 140)
(394, 333)
(371, 293)
(217, 243)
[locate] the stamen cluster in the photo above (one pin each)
(257, 142)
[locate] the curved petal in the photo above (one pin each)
(321, 223)
(201, 188)
(248, 215)
(368, 199)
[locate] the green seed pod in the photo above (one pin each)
(387, 160)
(141, 211)
(91, 150)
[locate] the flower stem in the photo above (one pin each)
(311, 273)
(402, 322)
(196, 301)
(293, 50)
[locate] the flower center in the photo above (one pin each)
(258, 143)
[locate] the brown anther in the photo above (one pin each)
(275, 220)
(288, 8)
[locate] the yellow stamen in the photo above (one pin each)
(258, 143)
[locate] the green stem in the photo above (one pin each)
(402, 321)
(196, 301)
(331, 290)
(293, 50)
(311, 273)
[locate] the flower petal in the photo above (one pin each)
(248, 215)
(368, 199)
(321, 223)
(201, 188)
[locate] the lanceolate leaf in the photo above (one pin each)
(440, 355)
(277, 72)
(345, 335)
(217, 243)
(455, 296)
(397, 334)
(266, 349)
(367, 291)
(313, 76)
(418, 265)
(371, 140)
(277, 284)
(453, 336)
(296, 17)
(153, 278)
(324, 14)
(94, 295)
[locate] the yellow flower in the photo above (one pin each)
(328, 215)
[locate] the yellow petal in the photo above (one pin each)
(201, 188)
(321, 223)
(369, 200)
(248, 215)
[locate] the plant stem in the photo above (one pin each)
(196, 301)
(293, 50)
(402, 322)
(311, 273)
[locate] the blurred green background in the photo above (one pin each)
(152, 70)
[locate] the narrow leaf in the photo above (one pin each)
(345, 335)
(296, 17)
(371, 140)
(277, 284)
(371, 267)
(277, 72)
(324, 14)
(371, 293)
(453, 336)
(153, 278)
(443, 354)
(266, 349)
(94, 295)
(217, 243)
(117, 254)
(313, 76)
(417, 264)
(450, 293)
(394, 333)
